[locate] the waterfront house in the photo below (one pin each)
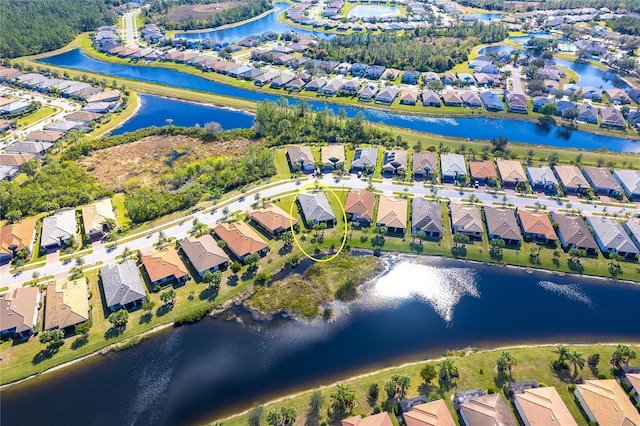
(433, 413)
(587, 114)
(537, 226)
(517, 102)
(486, 410)
(592, 93)
(471, 99)
(452, 99)
(511, 173)
(574, 233)
(239, 71)
(613, 118)
(315, 209)
(97, 217)
(19, 312)
(611, 236)
(241, 239)
(300, 158)
(295, 85)
(453, 167)
(462, 397)
(431, 99)
(122, 286)
(592, 47)
(632, 226)
(502, 223)
(491, 101)
(571, 179)
(392, 213)
(332, 157)
(606, 403)
(272, 219)
(466, 219)
(426, 216)
(265, 78)
(602, 180)
(424, 164)
(17, 237)
(543, 406)
(408, 97)
(542, 178)
(67, 304)
(394, 162)
(364, 158)
(632, 380)
(617, 96)
(367, 93)
(58, 229)
(204, 253)
(380, 419)
(251, 74)
(482, 172)
(164, 265)
(359, 206)
(630, 181)
(316, 85)
(565, 106)
(387, 95)
(280, 81)
(570, 89)
(350, 88)
(331, 88)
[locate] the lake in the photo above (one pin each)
(487, 17)
(155, 111)
(422, 307)
(476, 128)
(372, 11)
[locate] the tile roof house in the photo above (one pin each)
(433, 413)
(611, 236)
(452, 99)
(486, 410)
(466, 219)
(387, 95)
(19, 312)
(424, 164)
(471, 99)
(394, 162)
(392, 213)
(67, 304)
(617, 96)
(364, 157)
(632, 381)
(574, 233)
(602, 180)
(482, 172)
(300, 158)
(16, 237)
(408, 97)
(359, 206)
(58, 229)
(273, 219)
(49, 136)
(491, 101)
(517, 102)
(165, 265)
(571, 179)
(37, 148)
(204, 253)
(606, 403)
(611, 117)
(122, 285)
(542, 178)
(431, 99)
(332, 157)
(367, 93)
(502, 223)
(381, 419)
(452, 167)
(95, 217)
(426, 216)
(316, 209)
(332, 87)
(511, 173)
(539, 102)
(543, 406)
(630, 181)
(587, 114)
(537, 226)
(632, 226)
(241, 239)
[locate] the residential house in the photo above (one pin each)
(632, 380)
(433, 413)
(466, 219)
(491, 101)
(300, 158)
(280, 81)
(606, 403)
(394, 162)
(511, 173)
(391, 74)
(471, 99)
(204, 253)
(359, 206)
(67, 304)
(374, 72)
(602, 180)
(571, 179)
(630, 181)
(392, 213)
(350, 87)
(331, 88)
(611, 117)
(592, 93)
(315, 209)
(380, 419)
(632, 226)
(487, 80)
(552, 86)
(58, 230)
(543, 406)
(241, 239)
(367, 93)
(449, 78)
(466, 79)
(332, 157)
(96, 218)
(273, 219)
(517, 102)
(428, 77)
(502, 223)
(265, 78)
(452, 99)
(617, 96)
(364, 158)
(570, 89)
(592, 47)
(587, 114)
(36, 148)
(358, 69)
(17, 237)
(482, 172)
(564, 106)
(463, 397)
(387, 95)
(542, 178)
(537, 226)
(574, 233)
(453, 167)
(411, 77)
(486, 410)
(425, 164)
(409, 97)
(122, 285)
(19, 312)
(611, 236)
(431, 99)
(426, 216)
(316, 85)
(295, 85)
(165, 265)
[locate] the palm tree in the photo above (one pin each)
(563, 354)
(577, 360)
(506, 361)
(344, 398)
(448, 369)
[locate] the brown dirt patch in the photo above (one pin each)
(199, 11)
(144, 162)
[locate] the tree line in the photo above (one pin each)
(32, 26)
(626, 25)
(530, 5)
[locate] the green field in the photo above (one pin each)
(41, 114)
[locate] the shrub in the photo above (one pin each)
(542, 384)
(193, 316)
(571, 387)
(602, 376)
(377, 409)
(347, 291)
(491, 391)
(235, 267)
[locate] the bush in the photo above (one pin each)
(491, 391)
(571, 387)
(262, 278)
(235, 267)
(193, 316)
(602, 376)
(377, 409)
(347, 291)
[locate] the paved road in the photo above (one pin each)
(516, 83)
(130, 30)
(179, 228)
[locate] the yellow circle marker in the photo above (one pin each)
(344, 216)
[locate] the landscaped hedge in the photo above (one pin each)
(194, 316)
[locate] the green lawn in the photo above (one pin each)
(41, 114)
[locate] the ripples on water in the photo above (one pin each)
(374, 113)
(569, 291)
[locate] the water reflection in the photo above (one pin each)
(569, 291)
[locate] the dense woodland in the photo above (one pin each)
(626, 25)
(28, 27)
(530, 5)
(428, 49)
(158, 13)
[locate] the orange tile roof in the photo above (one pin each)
(608, 403)
(164, 263)
(433, 413)
(273, 218)
(634, 379)
(15, 159)
(361, 203)
(483, 169)
(392, 212)
(537, 223)
(381, 419)
(19, 234)
(543, 406)
(240, 238)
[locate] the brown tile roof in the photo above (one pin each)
(433, 413)
(575, 231)
(240, 238)
(502, 223)
(19, 234)
(571, 177)
(537, 223)
(203, 252)
(273, 218)
(602, 178)
(164, 263)
(634, 379)
(18, 309)
(381, 419)
(483, 170)
(44, 135)
(96, 214)
(392, 212)
(333, 154)
(608, 402)
(67, 304)
(543, 406)
(424, 161)
(511, 170)
(466, 217)
(15, 159)
(83, 116)
(487, 410)
(361, 203)
(300, 155)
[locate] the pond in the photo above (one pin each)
(372, 11)
(423, 306)
(487, 17)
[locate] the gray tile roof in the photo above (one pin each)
(364, 157)
(426, 215)
(316, 208)
(395, 160)
(423, 161)
(452, 165)
(541, 176)
(122, 283)
(60, 226)
(573, 231)
(630, 180)
(467, 218)
(611, 235)
(601, 178)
